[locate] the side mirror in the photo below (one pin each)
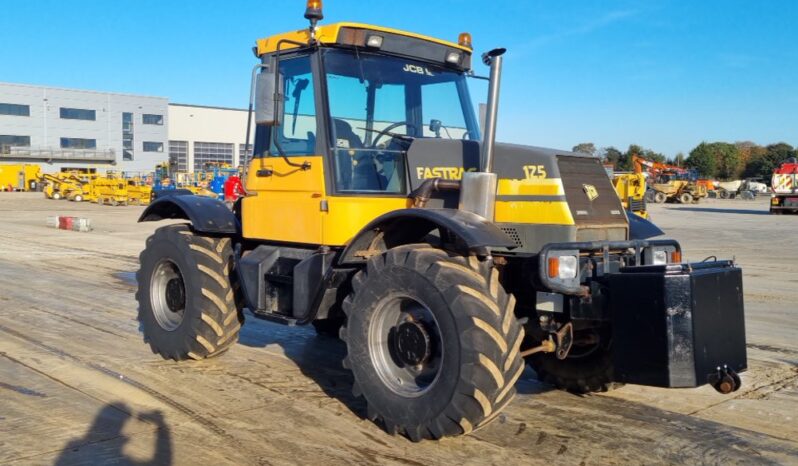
(268, 104)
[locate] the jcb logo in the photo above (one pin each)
(447, 173)
(534, 171)
(590, 191)
(417, 69)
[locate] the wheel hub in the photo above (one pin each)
(168, 295)
(411, 343)
(175, 295)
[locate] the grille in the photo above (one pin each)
(513, 234)
(637, 205)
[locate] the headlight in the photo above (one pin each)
(563, 267)
(374, 41)
(662, 255)
(453, 58)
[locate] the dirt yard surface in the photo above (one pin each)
(78, 385)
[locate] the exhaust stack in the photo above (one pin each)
(478, 189)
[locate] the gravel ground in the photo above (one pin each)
(78, 385)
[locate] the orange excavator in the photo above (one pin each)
(669, 182)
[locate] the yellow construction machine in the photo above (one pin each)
(377, 211)
(19, 177)
(631, 188)
(110, 190)
(138, 192)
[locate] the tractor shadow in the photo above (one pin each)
(722, 211)
(320, 358)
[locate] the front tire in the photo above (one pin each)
(432, 341)
(686, 198)
(584, 370)
(187, 308)
(660, 197)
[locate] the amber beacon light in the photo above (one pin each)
(313, 10)
(464, 39)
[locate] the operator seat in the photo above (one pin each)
(357, 171)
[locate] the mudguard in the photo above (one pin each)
(407, 226)
(640, 228)
(206, 215)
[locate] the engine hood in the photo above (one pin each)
(536, 185)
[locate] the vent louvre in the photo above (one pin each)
(513, 234)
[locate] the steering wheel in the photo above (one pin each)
(387, 130)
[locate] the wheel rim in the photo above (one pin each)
(168, 295)
(405, 346)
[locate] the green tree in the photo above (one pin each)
(728, 157)
(585, 148)
(612, 155)
(762, 164)
(702, 159)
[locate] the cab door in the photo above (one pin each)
(287, 193)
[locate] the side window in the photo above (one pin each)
(436, 104)
(297, 133)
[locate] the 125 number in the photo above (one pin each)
(534, 171)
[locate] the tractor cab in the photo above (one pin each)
(334, 125)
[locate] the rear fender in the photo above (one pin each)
(408, 226)
(206, 215)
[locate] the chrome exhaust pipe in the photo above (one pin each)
(494, 60)
(478, 189)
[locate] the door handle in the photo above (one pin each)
(264, 172)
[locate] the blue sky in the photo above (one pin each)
(665, 74)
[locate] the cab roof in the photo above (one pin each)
(330, 34)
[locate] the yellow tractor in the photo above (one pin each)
(631, 189)
(376, 211)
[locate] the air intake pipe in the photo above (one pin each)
(478, 189)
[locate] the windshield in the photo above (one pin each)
(378, 104)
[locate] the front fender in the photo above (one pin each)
(206, 215)
(406, 226)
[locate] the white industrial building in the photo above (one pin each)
(200, 134)
(58, 128)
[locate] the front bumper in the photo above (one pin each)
(679, 325)
(673, 325)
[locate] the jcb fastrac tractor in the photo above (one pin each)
(374, 210)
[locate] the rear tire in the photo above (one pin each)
(660, 197)
(455, 317)
(187, 307)
(56, 196)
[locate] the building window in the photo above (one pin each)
(8, 141)
(153, 146)
(178, 155)
(14, 109)
(78, 143)
(127, 136)
(78, 114)
(244, 154)
(151, 119)
(17, 141)
(205, 152)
